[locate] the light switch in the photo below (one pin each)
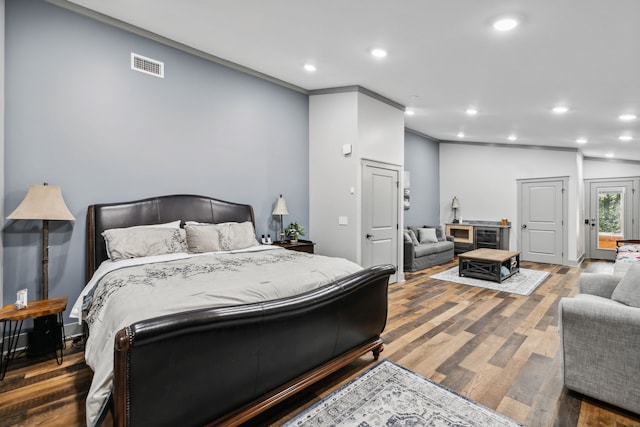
(343, 220)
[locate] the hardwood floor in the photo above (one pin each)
(496, 348)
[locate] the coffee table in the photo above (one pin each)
(488, 264)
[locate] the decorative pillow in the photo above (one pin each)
(439, 232)
(413, 237)
(627, 290)
(427, 235)
(135, 242)
(172, 224)
(202, 238)
(407, 237)
(237, 235)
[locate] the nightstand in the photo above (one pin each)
(11, 333)
(301, 246)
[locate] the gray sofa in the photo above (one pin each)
(423, 253)
(600, 338)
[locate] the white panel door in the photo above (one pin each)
(380, 204)
(541, 222)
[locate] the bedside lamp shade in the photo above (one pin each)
(43, 202)
(281, 209)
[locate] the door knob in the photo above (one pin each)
(369, 236)
(524, 226)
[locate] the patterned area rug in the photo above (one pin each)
(390, 395)
(522, 283)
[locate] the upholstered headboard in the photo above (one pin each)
(155, 210)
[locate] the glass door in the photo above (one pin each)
(611, 211)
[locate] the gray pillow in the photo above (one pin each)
(202, 238)
(439, 232)
(413, 238)
(135, 242)
(427, 235)
(628, 289)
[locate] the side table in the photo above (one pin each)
(301, 246)
(34, 309)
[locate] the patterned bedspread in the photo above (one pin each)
(628, 253)
(133, 293)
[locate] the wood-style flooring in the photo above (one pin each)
(496, 348)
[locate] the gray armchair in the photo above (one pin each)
(600, 343)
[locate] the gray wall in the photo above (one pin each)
(77, 116)
(421, 161)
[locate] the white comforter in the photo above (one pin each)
(124, 292)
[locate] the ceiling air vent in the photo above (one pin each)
(147, 65)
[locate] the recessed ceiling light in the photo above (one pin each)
(625, 137)
(505, 24)
(471, 111)
(409, 112)
(310, 67)
(512, 137)
(560, 109)
(460, 134)
(379, 53)
(581, 140)
(627, 117)
(610, 155)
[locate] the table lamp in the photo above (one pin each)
(281, 209)
(455, 205)
(43, 202)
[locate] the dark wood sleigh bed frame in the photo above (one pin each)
(223, 366)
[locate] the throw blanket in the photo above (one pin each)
(130, 294)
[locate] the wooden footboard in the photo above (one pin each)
(271, 399)
(224, 366)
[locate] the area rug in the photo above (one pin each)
(522, 283)
(391, 395)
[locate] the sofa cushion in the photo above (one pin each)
(412, 236)
(427, 235)
(628, 289)
(433, 248)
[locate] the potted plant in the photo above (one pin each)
(294, 230)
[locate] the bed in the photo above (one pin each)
(187, 356)
(627, 253)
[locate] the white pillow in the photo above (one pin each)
(135, 242)
(202, 238)
(427, 235)
(234, 235)
(226, 236)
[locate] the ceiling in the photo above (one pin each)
(443, 57)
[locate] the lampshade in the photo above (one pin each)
(43, 202)
(281, 207)
(455, 204)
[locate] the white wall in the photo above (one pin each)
(594, 168)
(332, 124)
(375, 131)
(484, 178)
